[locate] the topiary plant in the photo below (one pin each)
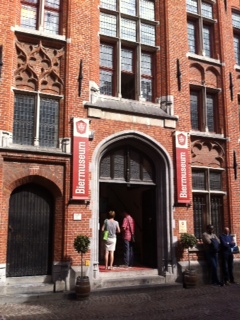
(81, 245)
(188, 240)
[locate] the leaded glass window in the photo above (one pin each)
(192, 6)
(201, 28)
(128, 26)
(127, 165)
(148, 34)
(127, 60)
(106, 71)
(48, 124)
(146, 76)
(210, 113)
(24, 112)
(207, 200)
(207, 41)
(207, 10)
(204, 110)
(236, 20)
(195, 110)
(192, 37)
(26, 121)
(198, 180)
(236, 31)
(128, 7)
(32, 15)
(108, 25)
(109, 4)
(147, 10)
(237, 48)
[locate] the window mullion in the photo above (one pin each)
(139, 74)
(41, 15)
(201, 48)
(204, 109)
(119, 55)
(37, 121)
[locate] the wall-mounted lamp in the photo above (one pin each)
(91, 135)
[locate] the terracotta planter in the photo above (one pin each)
(82, 288)
(190, 278)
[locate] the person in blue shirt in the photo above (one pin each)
(227, 242)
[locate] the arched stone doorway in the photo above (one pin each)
(127, 183)
(30, 235)
(149, 198)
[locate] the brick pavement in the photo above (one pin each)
(165, 303)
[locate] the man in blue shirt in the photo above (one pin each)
(227, 243)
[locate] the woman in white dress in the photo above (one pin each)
(112, 226)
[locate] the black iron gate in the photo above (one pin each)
(30, 232)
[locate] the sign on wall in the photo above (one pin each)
(182, 167)
(80, 179)
(182, 226)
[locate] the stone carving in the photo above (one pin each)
(38, 68)
(207, 153)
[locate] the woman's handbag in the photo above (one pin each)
(106, 232)
(105, 235)
(235, 250)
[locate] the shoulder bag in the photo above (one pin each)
(106, 232)
(235, 250)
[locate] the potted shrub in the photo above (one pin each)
(190, 277)
(82, 288)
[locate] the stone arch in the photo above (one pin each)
(196, 74)
(212, 78)
(164, 190)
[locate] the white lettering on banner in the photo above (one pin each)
(183, 163)
(81, 185)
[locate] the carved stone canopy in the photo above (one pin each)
(39, 68)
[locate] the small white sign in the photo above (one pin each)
(182, 226)
(77, 217)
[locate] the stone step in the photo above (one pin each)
(30, 285)
(119, 272)
(127, 282)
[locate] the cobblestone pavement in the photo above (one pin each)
(204, 302)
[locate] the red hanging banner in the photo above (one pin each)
(80, 179)
(182, 168)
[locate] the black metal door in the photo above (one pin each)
(30, 232)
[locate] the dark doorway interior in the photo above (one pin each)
(139, 201)
(30, 232)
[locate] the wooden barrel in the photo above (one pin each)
(190, 278)
(82, 288)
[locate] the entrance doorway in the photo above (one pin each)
(127, 183)
(139, 201)
(30, 232)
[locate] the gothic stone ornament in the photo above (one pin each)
(38, 68)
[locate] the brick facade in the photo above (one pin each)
(27, 58)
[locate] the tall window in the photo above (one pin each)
(200, 27)
(41, 15)
(207, 200)
(36, 121)
(236, 31)
(203, 110)
(128, 46)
